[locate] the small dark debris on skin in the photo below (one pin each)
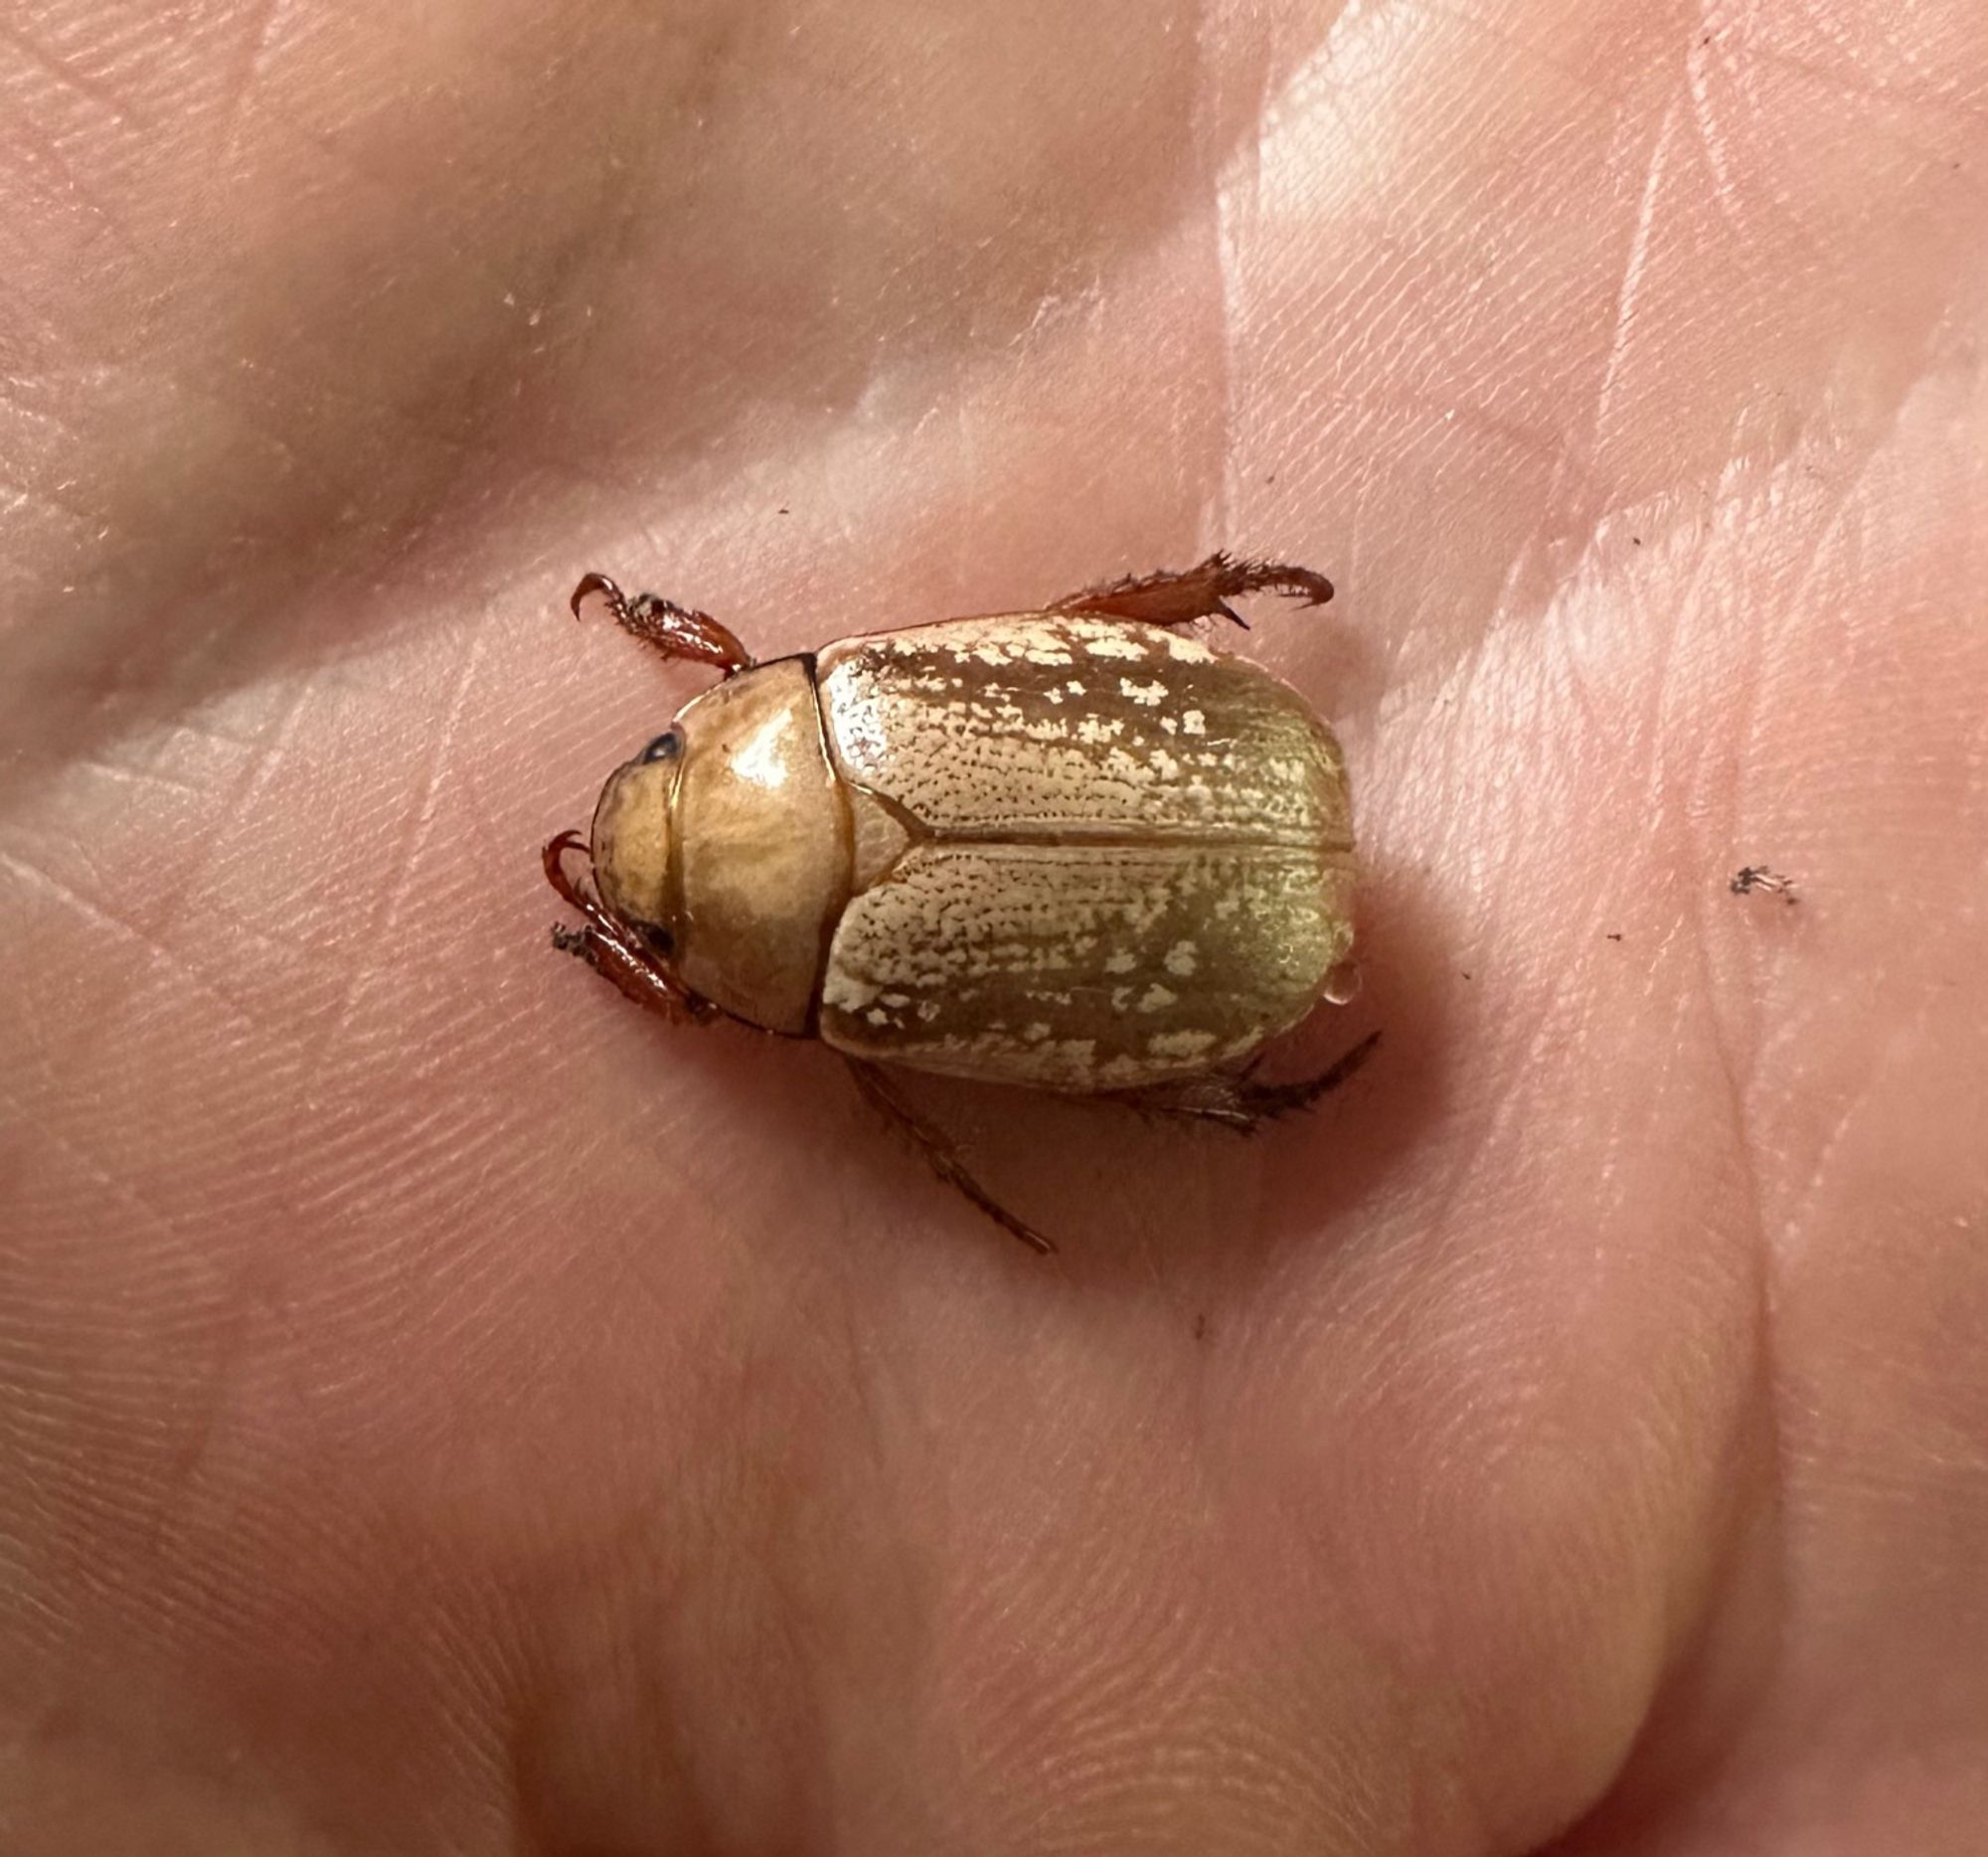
(1757, 879)
(574, 942)
(1201, 1328)
(1614, 935)
(785, 511)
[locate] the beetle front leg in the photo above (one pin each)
(608, 947)
(1176, 596)
(676, 632)
(1239, 1105)
(938, 1151)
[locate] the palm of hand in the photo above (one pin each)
(439, 1407)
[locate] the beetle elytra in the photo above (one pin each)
(1073, 849)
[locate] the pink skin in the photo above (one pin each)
(443, 1408)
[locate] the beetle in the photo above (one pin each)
(1073, 849)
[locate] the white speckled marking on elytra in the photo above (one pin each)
(1020, 639)
(985, 940)
(1090, 901)
(845, 992)
(1002, 749)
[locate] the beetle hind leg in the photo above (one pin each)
(882, 1093)
(1241, 1104)
(1177, 596)
(676, 632)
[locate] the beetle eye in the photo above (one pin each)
(666, 747)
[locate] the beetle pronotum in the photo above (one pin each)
(1071, 850)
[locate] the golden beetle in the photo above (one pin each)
(1073, 850)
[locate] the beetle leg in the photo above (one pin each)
(882, 1093)
(1177, 596)
(676, 632)
(1238, 1104)
(607, 946)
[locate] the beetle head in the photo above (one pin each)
(633, 841)
(725, 845)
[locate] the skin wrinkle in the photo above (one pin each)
(1805, 1199)
(422, 816)
(397, 179)
(145, 779)
(397, 188)
(1766, 1372)
(1634, 263)
(1709, 136)
(1848, 86)
(1214, 523)
(258, 36)
(1727, 193)
(73, 188)
(1770, 1376)
(128, 1198)
(93, 912)
(1845, 496)
(65, 75)
(155, 934)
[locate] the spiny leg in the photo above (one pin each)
(1177, 596)
(613, 950)
(1241, 1104)
(676, 632)
(944, 1158)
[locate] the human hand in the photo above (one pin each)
(440, 1410)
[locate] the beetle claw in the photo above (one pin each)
(599, 584)
(553, 858)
